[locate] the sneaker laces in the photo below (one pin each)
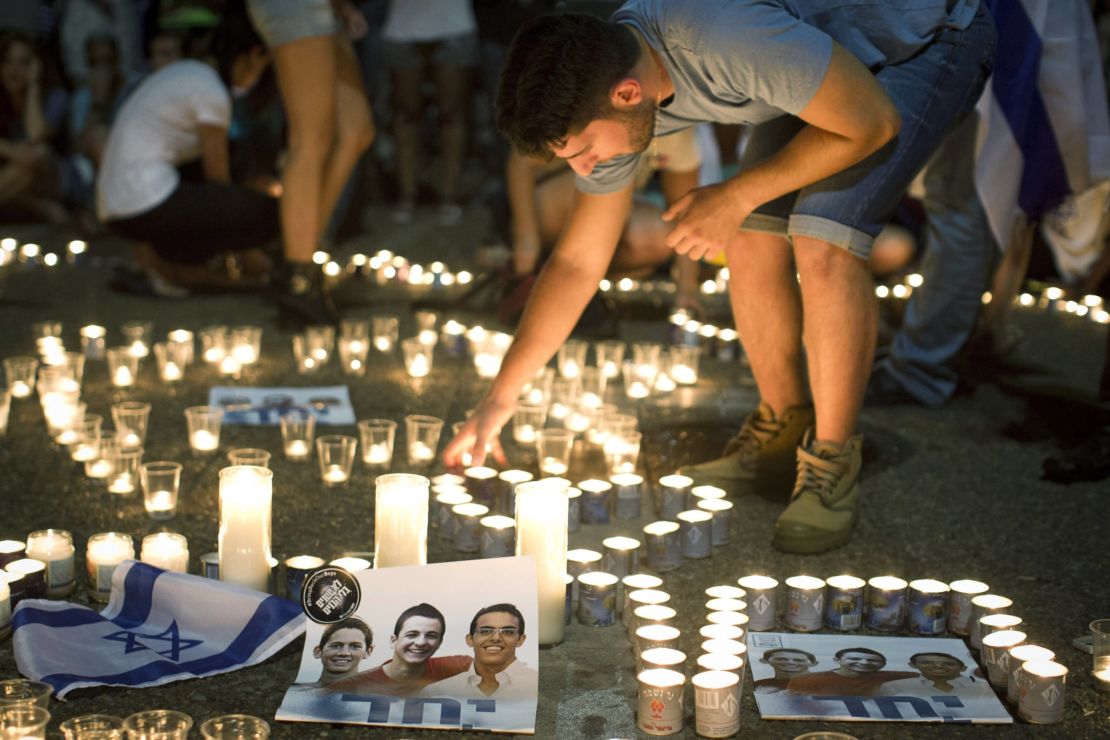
(756, 432)
(817, 475)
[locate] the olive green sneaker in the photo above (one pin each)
(760, 458)
(825, 502)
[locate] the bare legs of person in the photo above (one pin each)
(329, 128)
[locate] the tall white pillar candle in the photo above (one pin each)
(541, 531)
(246, 494)
(400, 520)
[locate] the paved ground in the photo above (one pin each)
(948, 493)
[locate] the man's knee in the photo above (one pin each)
(819, 260)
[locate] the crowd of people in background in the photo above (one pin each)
(325, 106)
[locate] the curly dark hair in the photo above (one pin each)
(557, 78)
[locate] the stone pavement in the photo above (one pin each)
(948, 493)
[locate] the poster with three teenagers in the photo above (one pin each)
(441, 646)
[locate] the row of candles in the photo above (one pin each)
(386, 267)
(24, 714)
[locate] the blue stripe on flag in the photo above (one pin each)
(272, 614)
(138, 593)
(79, 617)
(1044, 180)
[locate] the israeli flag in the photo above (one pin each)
(1044, 134)
(159, 627)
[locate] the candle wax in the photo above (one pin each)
(418, 367)
(297, 448)
(20, 389)
(123, 376)
(377, 454)
(335, 474)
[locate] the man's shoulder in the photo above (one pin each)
(374, 675)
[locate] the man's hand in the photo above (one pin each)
(479, 433)
(706, 219)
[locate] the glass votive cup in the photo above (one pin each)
(103, 552)
(623, 451)
(24, 722)
(170, 358)
(203, 425)
(25, 692)
(302, 355)
(45, 329)
(73, 366)
(336, 454)
(377, 437)
(182, 341)
(553, 448)
(417, 357)
(386, 331)
(99, 466)
(591, 388)
(123, 367)
(352, 355)
(20, 374)
(92, 341)
(683, 368)
(214, 344)
(425, 320)
(537, 391)
(124, 477)
(528, 420)
(235, 727)
(137, 337)
(571, 358)
(298, 429)
(638, 380)
(249, 456)
(166, 550)
(422, 439)
(63, 422)
(564, 397)
(131, 419)
(610, 357)
(92, 727)
(161, 481)
(158, 724)
(246, 344)
(87, 438)
(1100, 654)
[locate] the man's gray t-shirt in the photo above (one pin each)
(748, 61)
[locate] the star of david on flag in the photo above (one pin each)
(158, 627)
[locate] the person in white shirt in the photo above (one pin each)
(941, 674)
(149, 187)
(495, 634)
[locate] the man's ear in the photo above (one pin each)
(626, 94)
(316, 652)
(469, 641)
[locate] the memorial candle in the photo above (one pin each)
(166, 550)
(246, 493)
(541, 518)
(400, 520)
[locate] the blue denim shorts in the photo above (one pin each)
(279, 22)
(932, 91)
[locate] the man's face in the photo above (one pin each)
(861, 662)
(418, 639)
(165, 50)
(496, 638)
(625, 132)
(788, 662)
(938, 667)
(341, 654)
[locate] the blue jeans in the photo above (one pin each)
(959, 254)
(932, 91)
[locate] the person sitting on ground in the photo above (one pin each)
(176, 116)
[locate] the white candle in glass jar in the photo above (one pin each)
(83, 452)
(159, 502)
(166, 550)
(400, 520)
(20, 389)
(297, 449)
(171, 372)
(246, 493)
(121, 483)
(418, 367)
(54, 547)
(104, 552)
(421, 452)
(98, 468)
(541, 526)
